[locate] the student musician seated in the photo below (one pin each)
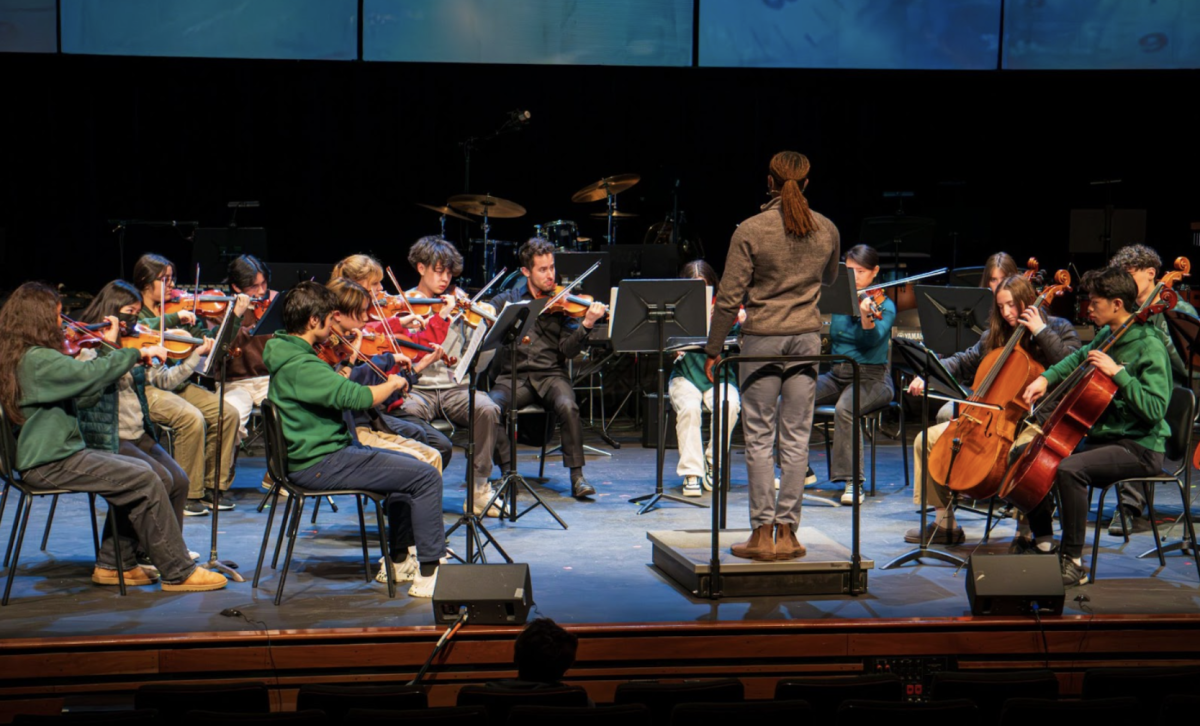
(40, 388)
(1129, 439)
(310, 398)
(1053, 339)
(541, 373)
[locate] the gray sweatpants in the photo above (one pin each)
(777, 398)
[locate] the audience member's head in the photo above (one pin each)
(544, 651)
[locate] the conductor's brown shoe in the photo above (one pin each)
(787, 547)
(760, 546)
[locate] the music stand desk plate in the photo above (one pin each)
(684, 557)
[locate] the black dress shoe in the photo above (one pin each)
(580, 488)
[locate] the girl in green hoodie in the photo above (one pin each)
(39, 390)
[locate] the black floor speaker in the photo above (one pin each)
(1011, 584)
(492, 594)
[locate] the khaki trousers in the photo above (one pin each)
(395, 442)
(192, 414)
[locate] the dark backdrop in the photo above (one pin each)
(338, 153)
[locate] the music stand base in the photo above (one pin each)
(225, 567)
(1182, 545)
(924, 553)
(814, 499)
(653, 499)
(514, 481)
(474, 528)
(586, 450)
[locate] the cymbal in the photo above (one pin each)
(444, 210)
(606, 186)
(616, 215)
(479, 204)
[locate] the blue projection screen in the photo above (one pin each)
(884, 34)
(585, 32)
(28, 26)
(1101, 34)
(283, 29)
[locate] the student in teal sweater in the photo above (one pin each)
(311, 397)
(39, 390)
(1130, 437)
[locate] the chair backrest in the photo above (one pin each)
(337, 700)
(723, 714)
(1025, 711)
(663, 697)
(1181, 415)
(629, 714)
(172, 700)
(8, 447)
(276, 443)
(989, 691)
(1149, 685)
(499, 701)
(824, 695)
(934, 713)
(452, 716)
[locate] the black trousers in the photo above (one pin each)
(553, 391)
(1093, 464)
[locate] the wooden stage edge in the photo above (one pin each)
(42, 674)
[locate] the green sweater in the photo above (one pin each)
(50, 384)
(1139, 410)
(310, 398)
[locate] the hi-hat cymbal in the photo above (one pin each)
(444, 210)
(616, 215)
(480, 204)
(606, 186)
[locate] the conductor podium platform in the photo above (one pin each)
(684, 556)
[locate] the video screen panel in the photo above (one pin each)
(281, 29)
(595, 32)
(28, 26)
(1101, 34)
(876, 34)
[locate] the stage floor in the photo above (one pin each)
(598, 571)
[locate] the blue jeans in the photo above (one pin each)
(414, 489)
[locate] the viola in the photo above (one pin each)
(972, 456)
(178, 343)
(1084, 397)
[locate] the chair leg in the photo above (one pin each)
(12, 535)
(383, 544)
(316, 508)
(874, 427)
(904, 444)
(362, 535)
(24, 504)
(3, 499)
(49, 521)
(1190, 525)
(266, 540)
(297, 517)
(111, 520)
(987, 527)
(95, 529)
(1150, 488)
(1096, 535)
(283, 530)
(828, 449)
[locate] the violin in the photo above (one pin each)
(575, 306)
(1085, 395)
(337, 349)
(77, 336)
(178, 343)
(972, 456)
(208, 304)
(472, 311)
(258, 308)
(375, 343)
(877, 297)
(410, 303)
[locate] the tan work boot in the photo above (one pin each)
(201, 580)
(133, 578)
(760, 546)
(787, 547)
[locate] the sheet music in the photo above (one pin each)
(464, 363)
(207, 365)
(612, 310)
(708, 307)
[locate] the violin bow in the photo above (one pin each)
(567, 288)
(482, 291)
(387, 330)
(400, 293)
(365, 359)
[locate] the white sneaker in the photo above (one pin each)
(848, 495)
(482, 495)
(706, 482)
(402, 571)
(194, 555)
(691, 486)
(810, 478)
(423, 586)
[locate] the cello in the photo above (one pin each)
(1085, 395)
(971, 457)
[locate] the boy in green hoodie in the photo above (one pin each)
(1130, 437)
(322, 453)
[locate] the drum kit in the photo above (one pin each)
(564, 233)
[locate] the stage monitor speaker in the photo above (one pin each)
(492, 594)
(1011, 584)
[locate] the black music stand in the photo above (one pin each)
(922, 359)
(889, 234)
(1185, 333)
(647, 310)
(272, 320)
(218, 359)
(947, 313)
(514, 323)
